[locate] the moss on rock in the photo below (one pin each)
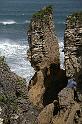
(77, 16)
(42, 13)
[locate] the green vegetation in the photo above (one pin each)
(2, 59)
(9, 101)
(42, 13)
(20, 81)
(3, 98)
(75, 17)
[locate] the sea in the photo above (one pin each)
(15, 16)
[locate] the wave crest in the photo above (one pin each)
(8, 22)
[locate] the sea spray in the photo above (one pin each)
(17, 59)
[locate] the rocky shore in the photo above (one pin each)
(15, 107)
(47, 99)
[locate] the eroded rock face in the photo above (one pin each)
(73, 46)
(66, 111)
(15, 107)
(44, 48)
(46, 114)
(43, 54)
(37, 90)
(68, 108)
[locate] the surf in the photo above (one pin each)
(16, 58)
(8, 22)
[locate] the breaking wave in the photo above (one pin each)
(8, 22)
(11, 22)
(61, 48)
(16, 58)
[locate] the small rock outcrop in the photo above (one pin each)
(43, 54)
(15, 107)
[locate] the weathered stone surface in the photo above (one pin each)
(68, 116)
(73, 46)
(36, 92)
(66, 111)
(44, 57)
(46, 115)
(70, 110)
(73, 52)
(15, 107)
(44, 48)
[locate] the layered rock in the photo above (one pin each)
(15, 107)
(73, 46)
(44, 48)
(43, 54)
(46, 89)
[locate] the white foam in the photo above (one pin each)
(61, 48)
(16, 58)
(8, 22)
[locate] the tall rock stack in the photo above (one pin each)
(44, 57)
(44, 48)
(73, 46)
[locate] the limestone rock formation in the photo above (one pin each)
(73, 46)
(47, 89)
(43, 54)
(68, 110)
(43, 43)
(15, 107)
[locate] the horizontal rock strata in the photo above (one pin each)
(73, 46)
(43, 43)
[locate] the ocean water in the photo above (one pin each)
(15, 17)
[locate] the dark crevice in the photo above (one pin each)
(56, 107)
(54, 83)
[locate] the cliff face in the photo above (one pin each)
(73, 46)
(15, 107)
(43, 54)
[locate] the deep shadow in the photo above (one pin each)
(54, 83)
(79, 82)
